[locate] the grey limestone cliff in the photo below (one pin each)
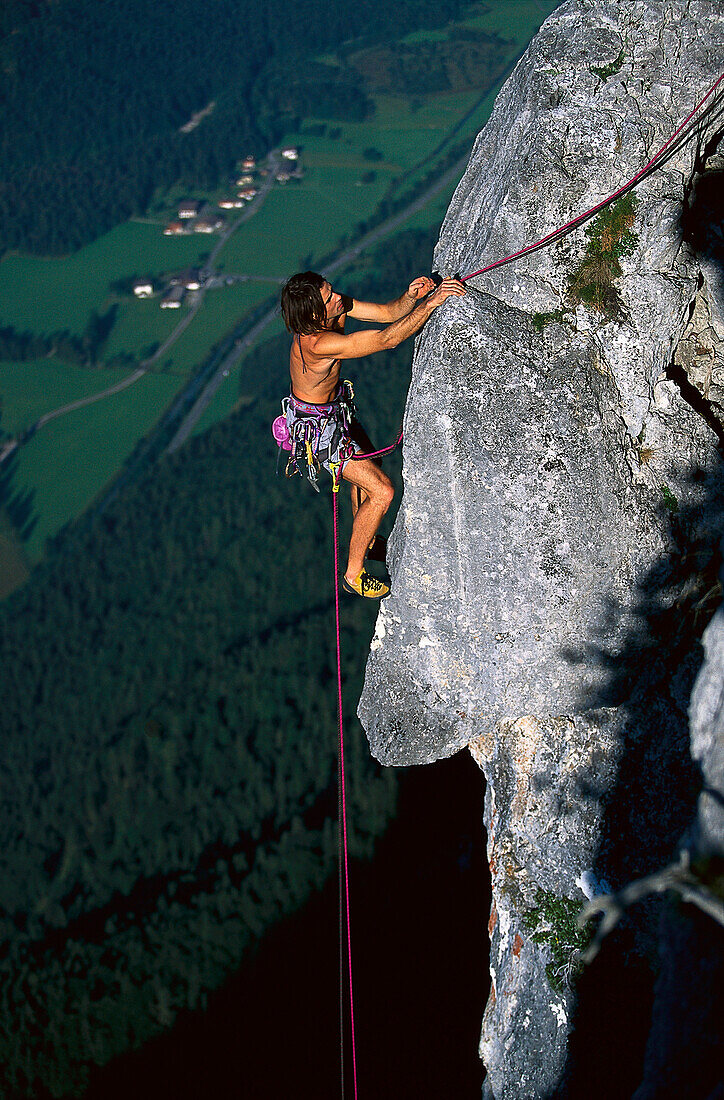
(554, 556)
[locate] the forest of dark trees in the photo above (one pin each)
(168, 761)
(468, 59)
(90, 111)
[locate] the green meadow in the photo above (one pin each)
(33, 388)
(518, 20)
(50, 295)
(228, 398)
(512, 19)
(221, 310)
(292, 224)
(142, 325)
(73, 458)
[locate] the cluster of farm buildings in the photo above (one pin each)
(197, 217)
(175, 287)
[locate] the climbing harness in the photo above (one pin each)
(316, 435)
(336, 470)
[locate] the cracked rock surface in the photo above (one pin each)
(555, 549)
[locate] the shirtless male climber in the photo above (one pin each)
(319, 416)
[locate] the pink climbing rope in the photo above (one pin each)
(570, 225)
(582, 217)
(384, 451)
(343, 800)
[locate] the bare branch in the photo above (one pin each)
(676, 876)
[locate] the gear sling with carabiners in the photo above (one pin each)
(317, 435)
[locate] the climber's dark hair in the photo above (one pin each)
(303, 309)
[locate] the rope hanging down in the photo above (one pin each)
(343, 852)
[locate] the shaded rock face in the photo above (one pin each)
(707, 744)
(554, 556)
(683, 1055)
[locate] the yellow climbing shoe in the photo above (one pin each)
(366, 585)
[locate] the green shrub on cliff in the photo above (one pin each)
(610, 238)
(554, 922)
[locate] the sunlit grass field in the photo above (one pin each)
(50, 295)
(293, 223)
(142, 324)
(513, 19)
(228, 399)
(73, 458)
(140, 327)
(220, 311)
(33, 388)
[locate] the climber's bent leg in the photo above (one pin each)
(378, 493)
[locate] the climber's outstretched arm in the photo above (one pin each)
(388, 312)
(355, 345)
